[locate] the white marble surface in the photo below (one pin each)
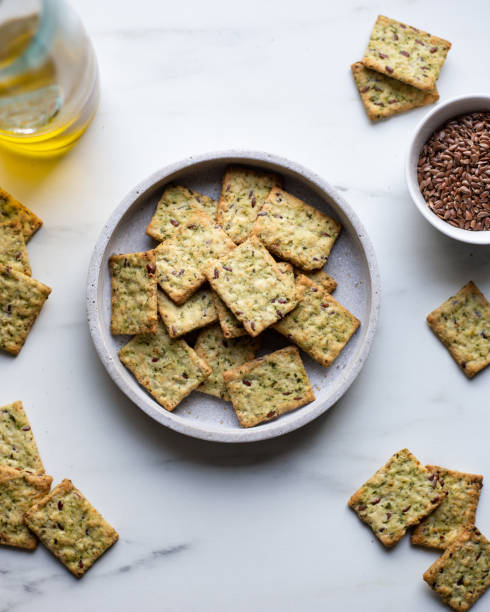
(264, 526)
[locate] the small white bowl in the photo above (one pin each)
(469, 103)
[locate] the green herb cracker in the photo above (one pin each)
(319, 324)
(405, 53)
(71, 528)
(11, 209)
(267, 387)
(19, 490)
(458, 510)
(13, 250)
(384, 96)
(399, 495)
(197, 312)
(295, 231)
(17, 445)
(462, 574)
(253, 286)
(168, 369)
(462, 324)
(231, 326)
(175, 207)
(181, 259)
(243, 194)
(134, 293)
(222, 354)
(21, 300)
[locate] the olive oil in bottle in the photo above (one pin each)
(48, 77)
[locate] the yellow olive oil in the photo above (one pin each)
(48, 81)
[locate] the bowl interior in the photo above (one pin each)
(434, 120)
(201, 415)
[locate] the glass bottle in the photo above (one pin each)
(49, 83)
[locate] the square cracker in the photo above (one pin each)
(134, 293)
(319, 324)
(457, 511)
(267, 387)
(21, 300)
(231, 326)
(405, 53)
(399, 495)
(12, 209)
(19, 490)
(461, 575)
(168, 369)
(222, 354)
(175, 207)
(181, 259)
(320, 277)
(253, 286)
(295, 231)
(13, 250)
(71, 528)
(383, 96)
(242, 196)
(18, 448)
(462, 324)
(197, 312)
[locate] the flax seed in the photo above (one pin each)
(454, 171)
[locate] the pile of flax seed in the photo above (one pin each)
(454, 171)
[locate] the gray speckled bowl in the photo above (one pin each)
(352, 264)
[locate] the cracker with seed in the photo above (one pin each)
(320, 277)
(21, 300)
(71, 528)
(222, 354)
(134, 293)
(19, 490)
(11, 209)
(405, 53)
(266, 388)
(230, 325)
(462, 324)
(13, 250)
(398, 496)
(295, 231)
(168, 369)
(458, 510)
(175, 207)
(253, 286)
(319, 324)
(384, 97)
(243, 194)
(18, 448)
(181, 259)
(197, 312)
(461, 575)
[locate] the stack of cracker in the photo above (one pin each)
(252, 261)
(21, 297)
(441, 504)
(62, 519)
(399, 69)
